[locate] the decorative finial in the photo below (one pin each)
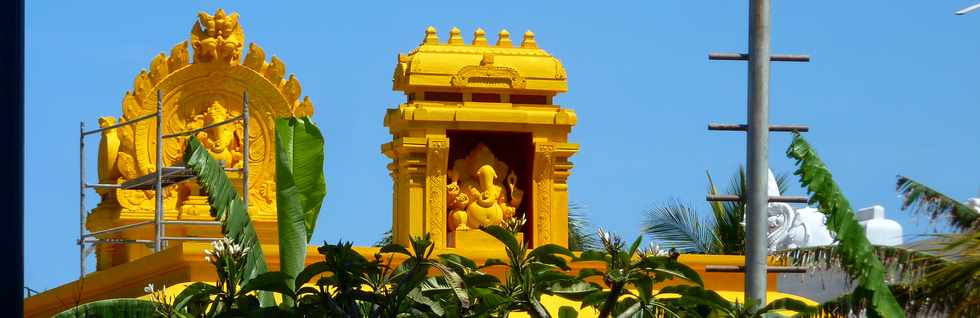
(430, 36)
(503, 39)
(455, 37)
(479, 37)
(529, 42)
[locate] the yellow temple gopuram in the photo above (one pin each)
(478, 141)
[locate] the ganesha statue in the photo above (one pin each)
(477, 195)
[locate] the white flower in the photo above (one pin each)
(148, 289)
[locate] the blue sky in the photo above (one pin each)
(892, 89)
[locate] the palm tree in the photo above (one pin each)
(678, 225)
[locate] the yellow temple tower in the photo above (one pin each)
(479, 141)
(197, 91)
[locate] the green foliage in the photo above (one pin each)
(227, 207)
(629, 269)
(300, 189)
(110, 308)
(677, 225)
(580, 234)
(923, 199)
(856, 252)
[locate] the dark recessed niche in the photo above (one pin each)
(513, 148)
(486, 98)
(443, 96)
(529, 99)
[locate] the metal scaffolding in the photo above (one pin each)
(156, 181)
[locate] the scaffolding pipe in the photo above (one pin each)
(182, 238)
(757, 152)
(245, 150)
(192, 222)
(125, 123)
(117, 229)
(189, 132)
(81, 199)
(158, 216)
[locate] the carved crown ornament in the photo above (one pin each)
(197, 93)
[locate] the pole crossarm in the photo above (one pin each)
(777, 199)
(743, 127)
(746, 57)
(741, 269)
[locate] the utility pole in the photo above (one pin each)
(757, 148)
(757, 198)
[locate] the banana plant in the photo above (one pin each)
(109, 308)
(300, 189)
(629, 277)
(857, 255)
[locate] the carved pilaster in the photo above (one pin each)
(437, 157)
(543, 180)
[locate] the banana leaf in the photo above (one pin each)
(228, 208)
(857, 255)
(109, 308)
(300, 189)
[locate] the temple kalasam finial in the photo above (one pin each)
(430, 36)
(528, 41)
(503, 39)
(455, 37)
(479, 37)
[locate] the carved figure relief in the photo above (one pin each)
(223, 142)
(198, 89)
(478, 195)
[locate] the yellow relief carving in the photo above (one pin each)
(218, 37)
(477, 195)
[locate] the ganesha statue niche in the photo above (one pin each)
(477, 195)
(224, 141)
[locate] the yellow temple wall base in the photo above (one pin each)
(184, 262)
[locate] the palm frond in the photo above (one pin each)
(386, 239)
(904, 265)
(675, 225)
(581, 237)
(728, 223)
(856, 252)
(925, 200)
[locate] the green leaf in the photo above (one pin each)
(227, 207)
(592, 256)
(194, 292)
(857, 256)
(310, 271)
(679, 226)
(923, 199)
(300, 189)
(493, 262)
(503, 235)
(269, 281)
(396, 248)
(790, 304)
(109, 308)
(567, 312)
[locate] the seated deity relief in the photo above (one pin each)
(478, 195)
(223, 142)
